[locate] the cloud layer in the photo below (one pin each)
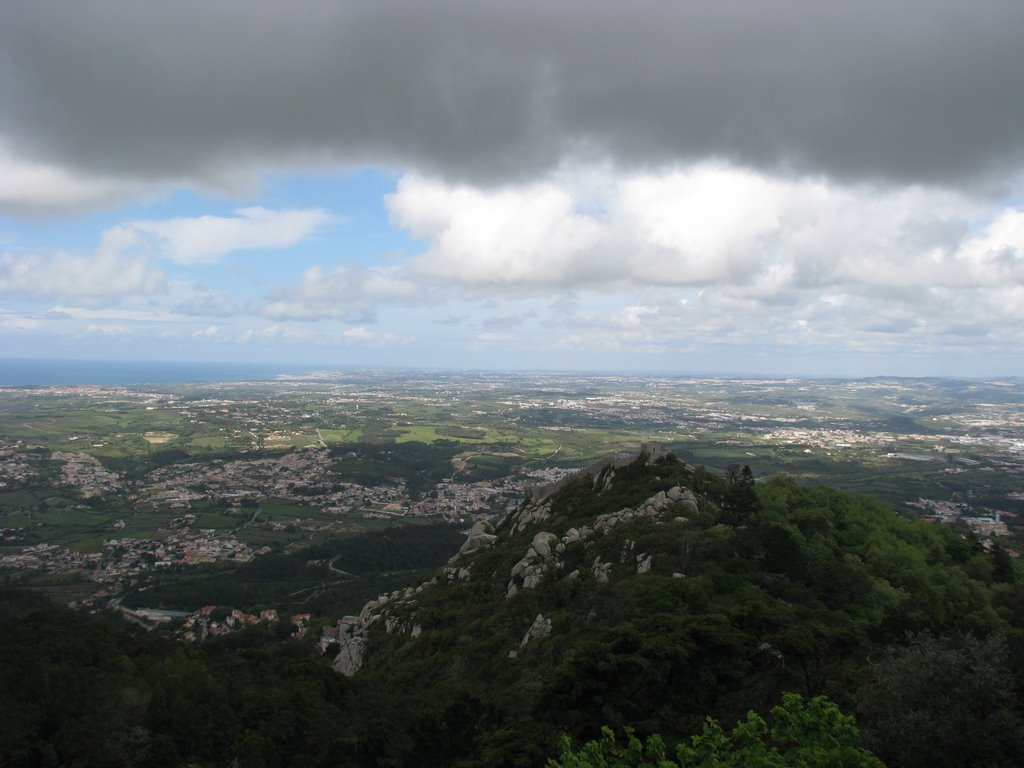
(213, 93)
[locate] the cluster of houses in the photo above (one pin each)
(298, 476)
(949, 512)
(457, 500)
(184, 546)
(240, 479)
(211, 621)
(127, 558)
(86, 474)
(14, 467)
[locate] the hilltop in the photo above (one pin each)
(650, 594)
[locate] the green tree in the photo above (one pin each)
(803, 734)
(740, 503)
(943, 701)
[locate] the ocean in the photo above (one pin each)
(26, 372)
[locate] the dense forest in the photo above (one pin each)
(794, 617)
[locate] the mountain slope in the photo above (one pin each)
(651, 594)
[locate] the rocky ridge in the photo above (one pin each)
(544, 560)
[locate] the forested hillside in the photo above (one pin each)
(646, 596)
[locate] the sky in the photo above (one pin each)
(714, 186)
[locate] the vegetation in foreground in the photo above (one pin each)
(812, 734)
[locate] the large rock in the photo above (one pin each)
(540, 628)
(481, 536)
(655, 506)
(602, 571)
(541, 558)
(687, 498)
(350, 656)
(531, 513)
(543, 543)
(572, 536)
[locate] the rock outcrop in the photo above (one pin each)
(540, 628)
(352, 642)
(530, 514)
(396, 613)
(599, 470)
(481, 536)
(544, 555)
(602, 571)
(393, 609)
(540, 558)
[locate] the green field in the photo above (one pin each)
(278, 509)
(10, 500)
(335, 436)
(214, 520)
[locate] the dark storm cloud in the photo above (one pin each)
(916, 91)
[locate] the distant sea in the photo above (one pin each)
(28, 372)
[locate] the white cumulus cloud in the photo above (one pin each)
(529, 235)
(349, 290)
(104, 275)
(707, 224)
(206, 239)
